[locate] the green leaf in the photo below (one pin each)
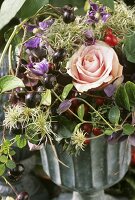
(66, 127)
(108, 132)
(130, 89)
(8, 10)
(66, 91)
(46, 98)
(10, 82)
(20, 141)
(128, 129)
(2, 169)
(86, 6)
(3, 159)
(121, 98)
(109, 3)
(30, 7)
(10, 164)
(12, 152)
(81, 111)
(129, 49)
(114, 115)
(75, 3)
(17, 38)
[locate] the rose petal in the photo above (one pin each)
(94, 66)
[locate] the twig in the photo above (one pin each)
(10, 60)
(7, 182)
(21, 49)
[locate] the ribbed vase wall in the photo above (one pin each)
(100, 166)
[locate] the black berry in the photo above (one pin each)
(59, 55)
(50, 81)
(17, 171)
(68, 16)
(32, 99)
(22, 196)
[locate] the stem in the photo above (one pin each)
(126, 119)
(7, 45)
(68, 109)
(10, 185)
(10, 40)
(10, 60)
(21, 49)
(95, 137)
(95, 111)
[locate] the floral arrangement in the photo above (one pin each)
(70, 80)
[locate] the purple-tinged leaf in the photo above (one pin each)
(109, 90)
(34, 147)
(123, 138)
(112, 139)
(64, 106)
(132, 139)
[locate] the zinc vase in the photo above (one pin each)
(98, 167)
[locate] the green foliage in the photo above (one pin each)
(30, 7)
(130, 89)
(109, 3)
(108, 132)
(128, 129)
(66, 91)
(3, 159)
(8, 10)
(10, 164)
(10, 82)
(121, 98)
(66, 127)
(2, 169)
(125, 95)
(21, 141)
(81, 111)
(114, 115)
(129, 49)
(76, 3)
(17, 38)
(46, 98)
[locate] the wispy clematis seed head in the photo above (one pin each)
(39, 68)
(97, 13)
(33, 43)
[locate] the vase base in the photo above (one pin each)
(69, 196)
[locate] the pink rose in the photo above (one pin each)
(94, 66)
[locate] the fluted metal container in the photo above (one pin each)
(100, 166)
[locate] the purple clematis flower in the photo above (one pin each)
(31, 27)
(40, 68)
(45, 24)
(96, 13)
(33, 43)
(89, 38)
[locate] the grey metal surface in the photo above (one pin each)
(69, 196)
(100, 166)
